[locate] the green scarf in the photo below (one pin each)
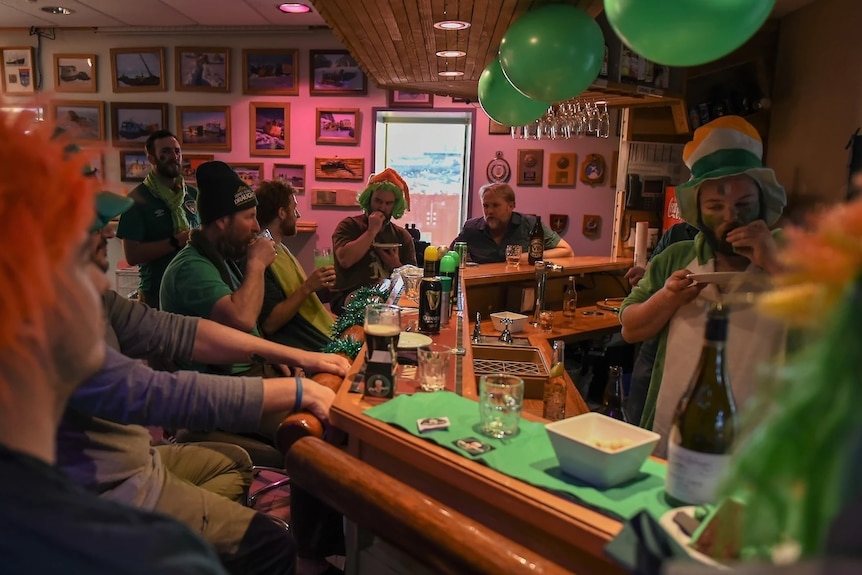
(290, 277)
(172, 197)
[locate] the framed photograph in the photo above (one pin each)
(251, 174)
(134, 166)
(270, 72)
(132, 122)
(84, 120)
(75, 72)
(530, 167)
(339, 168)
(337, 126)
(335, 73)
(405, 99)
(561, 170)
(204, 127)
(498, 129)
(18, 71)
(293, 174)
(190, 165)
(96, 161)
(138, 69)
(202, 69)
(269, 128)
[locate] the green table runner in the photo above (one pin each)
(528, 456)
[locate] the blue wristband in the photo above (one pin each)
(298, 403)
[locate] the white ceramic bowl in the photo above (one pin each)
(518, 320)
(584, 447)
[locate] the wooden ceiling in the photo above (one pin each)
(395, 40)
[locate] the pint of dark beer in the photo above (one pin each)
(382, 328)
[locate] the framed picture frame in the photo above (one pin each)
(293, 174)
(134, 166)
(95, 162)
(269, 128)
(250, 173)
(335, 73)
(498, 129)
(562, 168)
(189, 166)
(200, 69)
(270, 72)
(407, 99)
(204, 127)
(592, 225)
(18, 71)
(336, 168)
(530, 167)
(337, 126)
(75, 72)
(138, 69)
(133, 122)
(84, 120)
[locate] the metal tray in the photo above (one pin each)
(525, 362)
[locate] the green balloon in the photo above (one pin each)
(553, 53)
(502, 102)
(686, 32)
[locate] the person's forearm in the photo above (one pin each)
(285, 310)
(245, 303)
(217, 343)
(138, 253)
(354, 251)
(642, 321)
(279, 394)
(557, 252)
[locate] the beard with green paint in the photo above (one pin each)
(726, 204)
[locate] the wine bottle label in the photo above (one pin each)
(693, 477)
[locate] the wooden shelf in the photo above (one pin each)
(306, 227)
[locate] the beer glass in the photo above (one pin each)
(323, 257)
(382, 328)
(513, 255)
(501, 397)
(433, 366)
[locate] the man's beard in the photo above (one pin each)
(287, 229)
(167, 169)
(97, 257)
(232, 249)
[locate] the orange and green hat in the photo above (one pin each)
(389, 180)
(728, 146)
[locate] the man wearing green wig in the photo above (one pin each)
(369, 246)
(733, 200)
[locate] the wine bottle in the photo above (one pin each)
(570, 299)
(554, 396)
(537, 242)
(705, 424)
(613, 400)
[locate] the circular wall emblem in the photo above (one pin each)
(498, 170)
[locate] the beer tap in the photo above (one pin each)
(477, 329)
(506, 336)
(541, 280)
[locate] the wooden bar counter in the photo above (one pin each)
(556, 528)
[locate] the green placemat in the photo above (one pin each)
(528, 456)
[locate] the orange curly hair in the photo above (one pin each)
(46, 203)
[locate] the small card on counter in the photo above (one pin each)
(427, 424)
(473, 446)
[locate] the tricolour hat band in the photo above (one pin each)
(736, 157)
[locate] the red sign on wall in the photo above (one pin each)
(671, 209)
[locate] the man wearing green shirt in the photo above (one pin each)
(158, 224)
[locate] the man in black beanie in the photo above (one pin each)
(206, 280)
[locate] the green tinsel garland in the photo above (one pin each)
(354, 311)
(347, 346)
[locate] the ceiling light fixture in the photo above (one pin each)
(294, 8)
(450, 74)
(451, 25)
(451, 53)
(58, 10)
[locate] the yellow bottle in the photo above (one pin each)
(554, 397)
(432, 262)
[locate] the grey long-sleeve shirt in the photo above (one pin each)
(101, 443)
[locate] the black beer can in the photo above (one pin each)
(430, 294)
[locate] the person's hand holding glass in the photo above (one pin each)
(323, 275)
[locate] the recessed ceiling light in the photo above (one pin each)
(59, 10)
(451, 53)
(450, 74)
(294, 8)
(451, 25)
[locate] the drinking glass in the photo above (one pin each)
(323, 257)
(265, 233)
(513, 255)
(501, 397)
(411, 286)
(382, 328)
(433, 366)
(546, 320)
